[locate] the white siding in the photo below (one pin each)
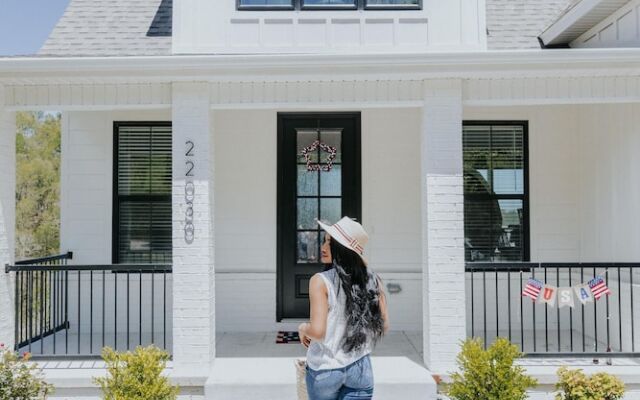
(583, 168)
(582, 173)
(87, 181)
(583, 204)
(202, 26)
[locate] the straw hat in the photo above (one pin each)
(348, 233)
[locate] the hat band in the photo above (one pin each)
(355, 245)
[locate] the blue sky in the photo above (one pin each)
(25, 24)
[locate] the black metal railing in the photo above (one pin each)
(91, 306)
(496, 308)
(40, 300)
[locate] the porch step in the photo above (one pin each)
(275, 379)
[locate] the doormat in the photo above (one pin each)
(285, 337)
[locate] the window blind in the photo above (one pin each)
(495, 196)
(142, 209)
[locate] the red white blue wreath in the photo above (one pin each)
(311, 166)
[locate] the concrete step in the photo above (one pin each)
(275, 379)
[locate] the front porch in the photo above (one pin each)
(213, 304)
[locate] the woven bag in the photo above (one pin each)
(301, 381)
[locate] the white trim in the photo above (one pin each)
(292, 67)
(568, 19)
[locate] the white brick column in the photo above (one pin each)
(193, 270)
(7, 221)
(442, 224)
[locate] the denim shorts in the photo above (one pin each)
(355, 381)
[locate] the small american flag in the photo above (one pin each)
(532, 289)
(598, 287)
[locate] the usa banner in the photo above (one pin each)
(551, 295)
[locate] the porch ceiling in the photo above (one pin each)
(320, 95)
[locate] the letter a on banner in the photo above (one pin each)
(565, 297)
(548, 295)
(584, 293)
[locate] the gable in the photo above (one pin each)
(516, 24)
(112, 28)
(601, 23)
(620, 29)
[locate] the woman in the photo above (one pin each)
(348, 316)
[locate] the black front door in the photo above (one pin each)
(318, 178)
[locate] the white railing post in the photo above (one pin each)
(442, 224)
(7, 221)
(193, 269)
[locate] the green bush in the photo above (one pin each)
(489, 374)
(136, 375)
(575, 385)
(19, 379)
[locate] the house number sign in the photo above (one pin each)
(189, 193)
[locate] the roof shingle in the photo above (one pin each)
(112, 28)
(516, 24)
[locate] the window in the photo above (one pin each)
(265, 4)
(393, 4)
(496, 226)
(328, 4)
(142, 193)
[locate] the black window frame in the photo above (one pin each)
(357, 5)
(526, 243)
(116, 197)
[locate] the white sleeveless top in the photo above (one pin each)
(328, 354)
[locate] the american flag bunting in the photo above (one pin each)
(532, 289)
(598, 287)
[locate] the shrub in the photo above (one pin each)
(575, 385)
(19, 379)
(136, 375)
(489, 374)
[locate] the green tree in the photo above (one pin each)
(37, 184)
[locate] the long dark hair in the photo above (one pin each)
(362, 292)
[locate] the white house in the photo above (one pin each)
(480, 142)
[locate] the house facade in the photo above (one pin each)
(476, 140)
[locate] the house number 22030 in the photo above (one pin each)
(189, 192)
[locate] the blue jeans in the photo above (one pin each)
(355, 381)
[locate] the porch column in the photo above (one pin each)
(7, 221)
(193, 271)
(443, 273)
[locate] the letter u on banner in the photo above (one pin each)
(548, 295)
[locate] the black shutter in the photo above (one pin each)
(495, 191)
(142, 198)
